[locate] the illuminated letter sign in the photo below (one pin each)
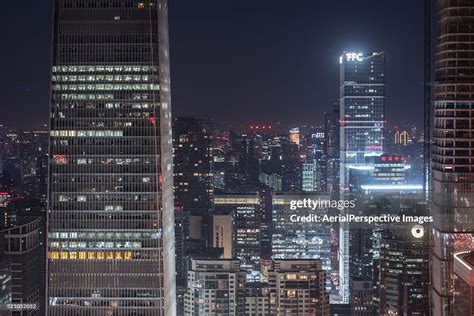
(354, 56)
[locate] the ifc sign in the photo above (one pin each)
(351, 57)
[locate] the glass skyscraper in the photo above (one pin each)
(361, 121)
(362, 109)
(110, 221)
(453, 149)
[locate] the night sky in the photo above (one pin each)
(246, 61)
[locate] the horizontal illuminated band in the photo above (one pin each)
(236, 200)
(87, 133)
(105, 87)
(90, 255)
(361, 167)
(104, 68)
(392, 187)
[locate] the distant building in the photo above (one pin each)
(403, 278)
(297, 287)
(214, 287)
(301, 240)
(295, 136)
(289, 287)
(193, 177)
(247, 216)
(361, 300)
(311, 176)
(401, 138)
(273, 180)
(223, 233)
(23, 247)
(243, 162)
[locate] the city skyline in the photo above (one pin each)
(284, 172)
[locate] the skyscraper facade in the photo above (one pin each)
(361, 121)
(453, 148)
(362, 109)
(110, 221)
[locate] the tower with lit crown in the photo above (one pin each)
(361, 121)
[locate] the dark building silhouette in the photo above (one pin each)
(193, 184)
(23, 250)
(193, 181)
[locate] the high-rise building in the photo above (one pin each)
(297, 287)
(362, 109)
(391, 257)
(291, 287)
(300, 239)
(295, 135)
(223, 233)
(24, 249)
(247, 216)
(214, 288)
(361, 121)
(403, 278)
(453, 148)
(192, 179)
(311, 176)
(361, 300)
(110, 212)
(244, 157)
